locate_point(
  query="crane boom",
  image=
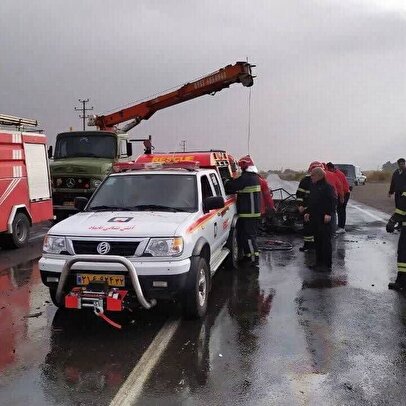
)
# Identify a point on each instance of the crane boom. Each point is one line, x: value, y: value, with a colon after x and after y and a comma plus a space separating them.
x: 240, y: 72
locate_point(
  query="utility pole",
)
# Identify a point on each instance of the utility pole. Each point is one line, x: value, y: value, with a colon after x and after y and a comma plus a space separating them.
x: 183, y: 145
x: 83, y: 109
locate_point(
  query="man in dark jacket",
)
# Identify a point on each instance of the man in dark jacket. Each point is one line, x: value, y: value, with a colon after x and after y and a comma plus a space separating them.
x: 399, y: 217
x: 302, y: 199
x: 248, y: 189
x: 319, y: 212
x: 398, y: 182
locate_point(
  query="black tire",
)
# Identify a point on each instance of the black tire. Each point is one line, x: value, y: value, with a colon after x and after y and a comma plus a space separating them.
x: 52, y: 293
x: 232, y: 245
x: 20, y: 232
x: 196, y: 294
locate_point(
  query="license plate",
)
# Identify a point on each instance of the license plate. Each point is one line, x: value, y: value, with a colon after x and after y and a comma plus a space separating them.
x: 70, y: 204
x: 83, y: 279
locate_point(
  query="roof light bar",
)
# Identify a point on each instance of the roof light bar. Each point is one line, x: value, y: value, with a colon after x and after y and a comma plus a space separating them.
x: 133, y: 166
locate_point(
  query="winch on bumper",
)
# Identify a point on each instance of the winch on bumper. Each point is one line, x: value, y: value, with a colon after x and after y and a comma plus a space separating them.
x: 146, y: 279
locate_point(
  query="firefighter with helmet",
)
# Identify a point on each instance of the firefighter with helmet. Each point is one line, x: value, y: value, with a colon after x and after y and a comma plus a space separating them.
x: 302, y: 198
x: 248, y: 189
x: 399, y: 217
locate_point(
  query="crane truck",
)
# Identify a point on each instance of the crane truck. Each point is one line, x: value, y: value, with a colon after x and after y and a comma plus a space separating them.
x: 82, y: 159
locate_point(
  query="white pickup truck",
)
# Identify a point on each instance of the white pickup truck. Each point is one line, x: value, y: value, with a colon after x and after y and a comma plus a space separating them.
x: 145, y: 235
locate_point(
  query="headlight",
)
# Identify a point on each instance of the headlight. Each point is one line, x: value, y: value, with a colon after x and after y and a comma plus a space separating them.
x: 54, y: 245
x: 95, y: 183
x: 165, y: 247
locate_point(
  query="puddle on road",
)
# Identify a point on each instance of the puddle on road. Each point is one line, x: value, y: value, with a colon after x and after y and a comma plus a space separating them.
x: 49, y: 356
x: 19, y: 304
x: 324, y: 283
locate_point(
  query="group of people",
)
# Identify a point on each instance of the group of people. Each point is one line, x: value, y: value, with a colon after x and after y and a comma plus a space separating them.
x: 321, y: 194
x: 322, y: 198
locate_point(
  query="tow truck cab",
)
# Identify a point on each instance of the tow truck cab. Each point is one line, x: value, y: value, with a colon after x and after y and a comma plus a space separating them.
x: 81, y: 160
x: 145, y: 235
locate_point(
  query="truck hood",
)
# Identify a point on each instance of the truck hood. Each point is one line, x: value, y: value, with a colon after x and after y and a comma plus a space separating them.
x: 121, y: 224
x: 80, y: 166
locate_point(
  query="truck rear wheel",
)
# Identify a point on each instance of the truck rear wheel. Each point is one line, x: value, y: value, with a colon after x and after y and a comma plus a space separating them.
x: 196, y: 295
x: 20, y: 232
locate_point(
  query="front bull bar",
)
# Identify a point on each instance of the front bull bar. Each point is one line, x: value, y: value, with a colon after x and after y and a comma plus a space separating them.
x: 112, y: 259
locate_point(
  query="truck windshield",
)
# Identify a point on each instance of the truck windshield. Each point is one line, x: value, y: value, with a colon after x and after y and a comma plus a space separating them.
x: 95, y: 145
x: 146, y: 192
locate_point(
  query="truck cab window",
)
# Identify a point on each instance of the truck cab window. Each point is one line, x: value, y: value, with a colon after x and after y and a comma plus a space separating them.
x: 206, y: 188
x: 216, y: 185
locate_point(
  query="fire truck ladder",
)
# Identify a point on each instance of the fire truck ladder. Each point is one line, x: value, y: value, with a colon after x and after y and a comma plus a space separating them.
x: 7, y: 120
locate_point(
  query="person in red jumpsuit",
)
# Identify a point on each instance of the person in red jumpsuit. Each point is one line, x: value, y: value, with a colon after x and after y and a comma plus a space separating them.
x: 342, y: 204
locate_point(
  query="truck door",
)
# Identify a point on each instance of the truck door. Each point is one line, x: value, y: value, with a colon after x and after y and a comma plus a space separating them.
x: 224, y: 216
x: 212, y: 232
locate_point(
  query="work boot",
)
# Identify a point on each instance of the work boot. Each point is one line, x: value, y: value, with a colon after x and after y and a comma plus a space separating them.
x: 245, y: 259
x: 400, y: 282
x: 395, y: 286
x: 322, y: 268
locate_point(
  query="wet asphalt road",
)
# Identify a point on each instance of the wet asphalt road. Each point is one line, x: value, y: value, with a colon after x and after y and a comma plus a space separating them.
x: 285, y: 335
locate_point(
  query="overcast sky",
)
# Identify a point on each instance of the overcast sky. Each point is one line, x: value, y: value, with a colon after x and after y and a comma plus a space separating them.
x: 331, y: 74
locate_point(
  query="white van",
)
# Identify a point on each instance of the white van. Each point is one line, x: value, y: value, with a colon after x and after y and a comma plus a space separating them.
x: 353, y: 174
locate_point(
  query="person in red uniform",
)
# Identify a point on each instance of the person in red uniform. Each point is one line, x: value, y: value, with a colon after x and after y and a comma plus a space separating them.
x: 334, y: 180
x: 342, y: 205
x: 267, y: 203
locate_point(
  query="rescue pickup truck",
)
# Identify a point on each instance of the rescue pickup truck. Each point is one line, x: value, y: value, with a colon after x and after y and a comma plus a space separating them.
x: 156, y: 232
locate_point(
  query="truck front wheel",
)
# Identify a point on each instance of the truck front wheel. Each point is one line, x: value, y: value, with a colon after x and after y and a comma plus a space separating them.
x: 232, y: 245
x: 20, y: 232
x: 196, y: 295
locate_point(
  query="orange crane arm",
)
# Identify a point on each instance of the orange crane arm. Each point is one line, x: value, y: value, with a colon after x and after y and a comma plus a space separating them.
x: 240, y: 72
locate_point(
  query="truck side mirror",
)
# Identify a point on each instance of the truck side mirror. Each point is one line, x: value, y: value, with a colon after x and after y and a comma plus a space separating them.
x: 80, y: 203
x: 213, y: 203
x: 129, y: 149
x: 50, y: 152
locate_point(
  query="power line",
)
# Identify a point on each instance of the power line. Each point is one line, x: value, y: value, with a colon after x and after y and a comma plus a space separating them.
x: 83, y: 109
x: 249, y: 121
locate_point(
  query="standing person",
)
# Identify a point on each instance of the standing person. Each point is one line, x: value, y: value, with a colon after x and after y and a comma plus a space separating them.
x: 398, y: 181
x: 341, y: 205
x: 333, y: 179
x: 248, y: 189
x: 302, y: 198
x: 399, y: 217
x: 267, y: 203
x: 319, y: 213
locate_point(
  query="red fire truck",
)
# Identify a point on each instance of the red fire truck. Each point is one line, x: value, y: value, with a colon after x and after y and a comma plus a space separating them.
x: 25, y: 195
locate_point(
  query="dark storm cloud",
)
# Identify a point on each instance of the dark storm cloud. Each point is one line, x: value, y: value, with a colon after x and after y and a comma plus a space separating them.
x: 331, y: 75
